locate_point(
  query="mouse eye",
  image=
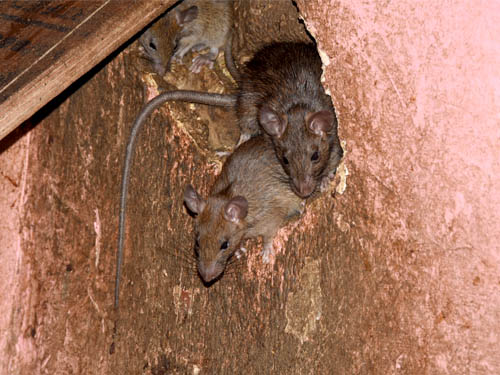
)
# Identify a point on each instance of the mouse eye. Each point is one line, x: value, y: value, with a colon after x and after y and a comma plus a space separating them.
x: 152, y: 45
x: 315, y: 156
x: 285, y: 160
x: 224, y: 245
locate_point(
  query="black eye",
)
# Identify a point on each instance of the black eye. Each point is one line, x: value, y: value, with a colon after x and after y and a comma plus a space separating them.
x: 315, y: 156
x: 224, y: 245
x: 285, y: 160
x: 152, y: 45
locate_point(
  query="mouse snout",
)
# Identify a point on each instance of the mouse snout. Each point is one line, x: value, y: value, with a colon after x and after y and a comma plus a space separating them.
x: 304, y: 186
x: 209, y: 270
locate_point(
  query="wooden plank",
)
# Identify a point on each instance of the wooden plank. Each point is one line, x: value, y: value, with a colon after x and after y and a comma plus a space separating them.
x: 47, y: 45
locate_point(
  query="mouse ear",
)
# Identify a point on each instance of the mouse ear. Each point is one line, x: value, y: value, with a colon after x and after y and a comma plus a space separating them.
x: 236, y: 209
x: 186, y: 15
x: 273, y: 124
x: 320, y: 122
x: 193, y: 200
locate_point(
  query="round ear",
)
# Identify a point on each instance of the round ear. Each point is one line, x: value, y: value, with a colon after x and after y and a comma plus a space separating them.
x: 186, y: 15
x: 273, y: 124
x: 193, y: 200
x: 236, y: 209
x: 320, y: 122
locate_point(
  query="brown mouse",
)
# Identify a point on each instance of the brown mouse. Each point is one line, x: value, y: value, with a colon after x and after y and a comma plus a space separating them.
x: 250, y: 198
x: 204, y: 24
x: 280, y: 91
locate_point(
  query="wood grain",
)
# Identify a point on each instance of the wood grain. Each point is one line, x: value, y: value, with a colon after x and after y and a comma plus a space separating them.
x: 47, y: 45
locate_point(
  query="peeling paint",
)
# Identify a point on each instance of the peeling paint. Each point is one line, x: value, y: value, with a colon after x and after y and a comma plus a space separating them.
x: 304, y: 306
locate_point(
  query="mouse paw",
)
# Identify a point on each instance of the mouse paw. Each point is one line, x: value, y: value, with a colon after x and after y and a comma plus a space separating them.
x: 325, y: 182
x: 267, y: 253
x: 199, y: 61
x: 240, y: 252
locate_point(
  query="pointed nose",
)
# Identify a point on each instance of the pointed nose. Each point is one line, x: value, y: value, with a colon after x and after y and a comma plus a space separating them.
x: 209, y: 270
x: 305, y: 186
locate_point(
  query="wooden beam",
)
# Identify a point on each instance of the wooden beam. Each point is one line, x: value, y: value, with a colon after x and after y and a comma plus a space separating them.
x: 47, y: 45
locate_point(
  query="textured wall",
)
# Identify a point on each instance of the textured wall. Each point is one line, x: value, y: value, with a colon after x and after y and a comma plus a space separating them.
x: 398, y: 274
x: 417, y: 89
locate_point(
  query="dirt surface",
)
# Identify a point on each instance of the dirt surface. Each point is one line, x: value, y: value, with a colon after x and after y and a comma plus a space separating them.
x: 377, y: 277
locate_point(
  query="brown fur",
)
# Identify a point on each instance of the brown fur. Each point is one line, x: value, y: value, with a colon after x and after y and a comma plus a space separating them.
x: 285, y: 77
x: 158, y: 43
x: 252, y: 172
x: 210, y: 29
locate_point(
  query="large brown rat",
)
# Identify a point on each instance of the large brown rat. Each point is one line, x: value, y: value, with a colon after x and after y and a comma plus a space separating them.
x: 250, y: 198
x: 280, y: 91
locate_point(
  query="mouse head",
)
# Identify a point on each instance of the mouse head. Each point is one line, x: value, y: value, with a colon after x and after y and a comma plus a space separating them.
x: 159, y: 42
x: 303, y: 140
x: 220, y: 224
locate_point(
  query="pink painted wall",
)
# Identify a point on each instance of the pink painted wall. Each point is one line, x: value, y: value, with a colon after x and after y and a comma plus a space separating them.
x: 417, y: 88
x: 399, y: 274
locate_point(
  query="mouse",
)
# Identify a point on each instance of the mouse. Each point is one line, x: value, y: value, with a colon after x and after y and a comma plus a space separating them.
x: 204, y: 24
x: 158, y: 43
x: 192, y: 25
x: 250, y: 198
x: 281, y: 95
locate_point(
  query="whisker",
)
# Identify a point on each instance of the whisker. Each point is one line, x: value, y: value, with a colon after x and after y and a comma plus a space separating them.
x: 183, y: 258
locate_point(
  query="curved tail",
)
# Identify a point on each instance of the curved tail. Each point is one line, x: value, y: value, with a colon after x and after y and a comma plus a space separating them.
x: 228, y: 58
x: 219, y: 100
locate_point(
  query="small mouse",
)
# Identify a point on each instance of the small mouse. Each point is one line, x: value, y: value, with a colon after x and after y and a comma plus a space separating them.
x: 280, y: 92
x: 158, y: 43
x: 250, y: 198
x: 204, y: 24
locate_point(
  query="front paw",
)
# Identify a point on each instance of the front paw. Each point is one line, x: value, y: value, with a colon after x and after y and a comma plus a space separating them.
x: 199, y: 61
x: 267, y: 253
x: 326, y: 181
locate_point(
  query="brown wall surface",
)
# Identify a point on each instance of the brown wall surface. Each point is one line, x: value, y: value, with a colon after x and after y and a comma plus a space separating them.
x: 396, y: 270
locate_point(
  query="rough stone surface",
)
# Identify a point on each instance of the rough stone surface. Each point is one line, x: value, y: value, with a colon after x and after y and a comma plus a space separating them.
x: 399, y: 274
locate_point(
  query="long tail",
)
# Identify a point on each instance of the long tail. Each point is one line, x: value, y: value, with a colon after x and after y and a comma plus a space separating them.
x: 219, y: 100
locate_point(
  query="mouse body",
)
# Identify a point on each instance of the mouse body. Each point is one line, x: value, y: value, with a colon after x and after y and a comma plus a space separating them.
x: 281, y: 94
x: 204, y: 24
x: 251, y: 197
